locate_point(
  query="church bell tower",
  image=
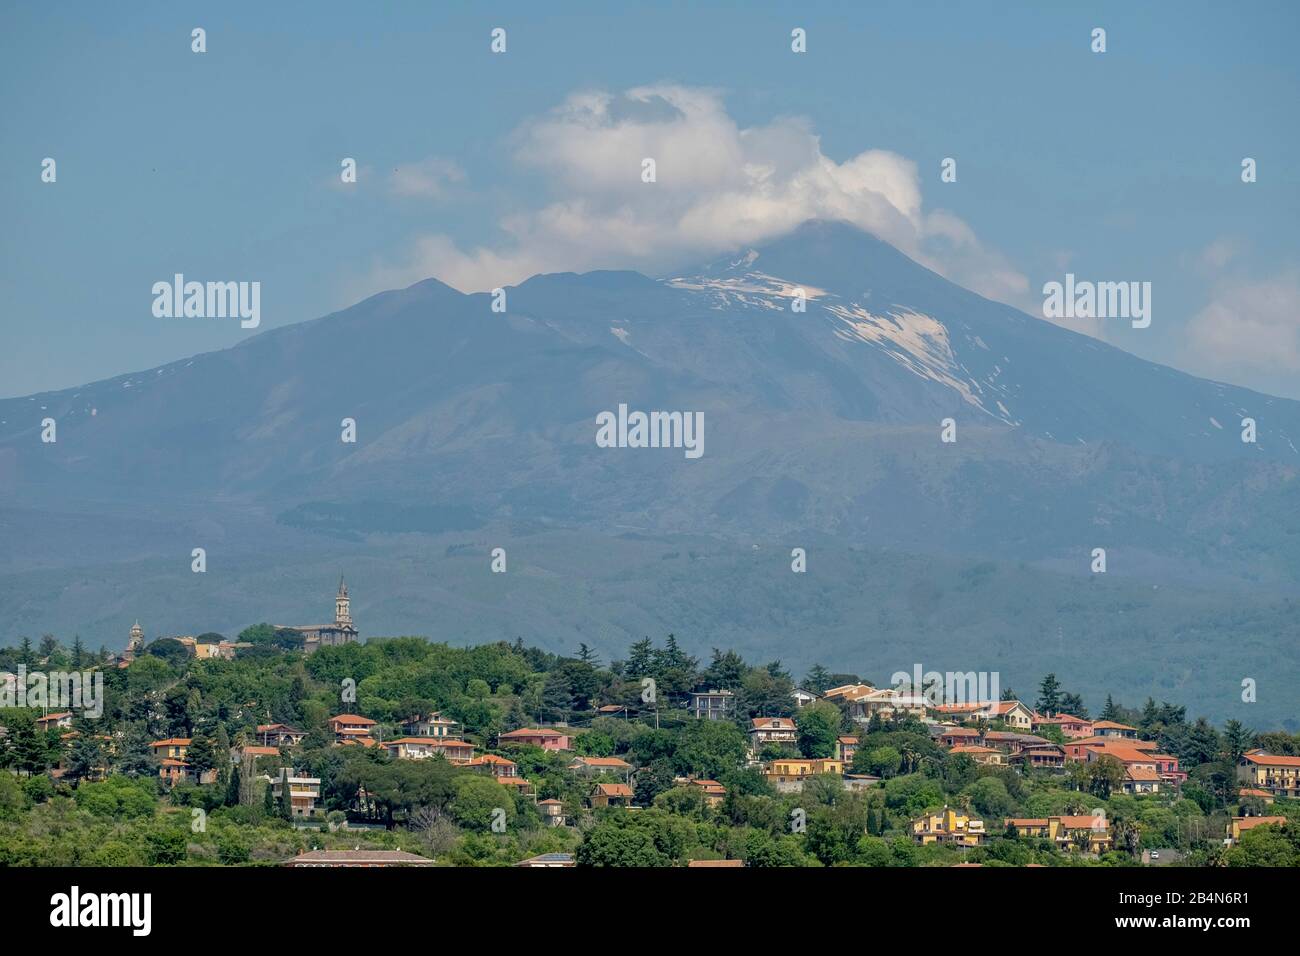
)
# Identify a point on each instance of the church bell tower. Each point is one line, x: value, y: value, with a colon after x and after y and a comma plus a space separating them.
x: 342, y: 606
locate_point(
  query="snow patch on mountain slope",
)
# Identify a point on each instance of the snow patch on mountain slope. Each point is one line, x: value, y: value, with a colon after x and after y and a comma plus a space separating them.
x: 753, y: 289
x: 920, y: 344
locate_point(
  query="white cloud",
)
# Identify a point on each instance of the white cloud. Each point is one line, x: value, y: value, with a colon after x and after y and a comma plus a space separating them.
x: 429, y: 179
x: 719, y: 186
x: 1249, y: 326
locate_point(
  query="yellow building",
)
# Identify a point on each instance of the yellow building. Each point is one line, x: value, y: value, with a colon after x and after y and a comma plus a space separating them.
x: 788, y: 774
x: 1069, y: 832
x: 1239, y: 825
x: 1280, y: 776
x: 948, y: 827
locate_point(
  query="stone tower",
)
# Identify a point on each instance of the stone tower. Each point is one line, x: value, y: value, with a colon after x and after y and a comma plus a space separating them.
x: 342, y: 606
x: 135, y: 643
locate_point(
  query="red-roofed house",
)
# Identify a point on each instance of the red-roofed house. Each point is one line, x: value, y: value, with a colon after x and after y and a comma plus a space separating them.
x: 1068, y: 832
x: 275, y: 735
x: 62, y: 719
x: 1109, y: 728
x: 546, y: 739
x: 1239, y: 825
x: 421, y: 748
x: 778, y: 731
x: 610, y: 795
x: 350, y: 725
x: 591, y: 766
x: 1280, y: 776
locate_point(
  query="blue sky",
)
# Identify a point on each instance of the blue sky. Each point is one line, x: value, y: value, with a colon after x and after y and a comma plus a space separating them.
x: 478, y: 167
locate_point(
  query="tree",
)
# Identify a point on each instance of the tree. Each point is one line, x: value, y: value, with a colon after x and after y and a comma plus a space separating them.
x: 1049, y: 695
x: 286, y: 795
x: 201, y: 755
x: 613, y: 843
x: 640, y: 660
x: 1105, y: 775
x: 725, y: 671
x: 135, y: 757
x: 819, y: 726
x: 818, y: 679
x: 1073, y: 705
x: 883, y: 761
x: 1237, y: 739
x: 85, y: 758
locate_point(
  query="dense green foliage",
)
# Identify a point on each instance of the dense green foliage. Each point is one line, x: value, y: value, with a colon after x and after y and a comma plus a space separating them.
x: 94, y: 797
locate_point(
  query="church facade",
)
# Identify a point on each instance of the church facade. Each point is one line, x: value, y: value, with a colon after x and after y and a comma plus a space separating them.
x: 342, y: 631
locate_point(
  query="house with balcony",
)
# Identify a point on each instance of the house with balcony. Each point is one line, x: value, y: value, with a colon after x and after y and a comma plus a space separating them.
x: 421, y: 748
x: 595, y: 766
x: 711, y: 704
x: 304, y: 791
x: 1068, y: 832
x: 1280, y: 776
x: 546, y: 739
x: 279, y: 735
x: 773, y: 731
x: 788, y: 775
x: 350, y: 726
x: 1044, y: 756
x: 948, y: 827
x: 431, y: 725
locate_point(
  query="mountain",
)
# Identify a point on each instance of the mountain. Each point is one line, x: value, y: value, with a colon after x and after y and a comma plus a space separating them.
x: 477, y: 429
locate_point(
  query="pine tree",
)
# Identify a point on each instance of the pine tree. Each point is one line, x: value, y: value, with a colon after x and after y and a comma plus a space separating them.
x: 222, y: 748
x: 135, y: 758
x: 232, y: 788
x: 640, y: 660
x: 818, y: 679
x: 286, y: 795
x: 1049, y: 695
x: 78, y: 653
x: 1110, y: 711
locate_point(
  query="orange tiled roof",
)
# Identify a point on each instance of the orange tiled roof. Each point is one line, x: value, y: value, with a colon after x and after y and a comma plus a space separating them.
x: 491, y: 760
x: 772, y: 723
x: 1249, y: 823
x: 352, y: 719
x: 173, y: 742
x: 1141, y: 773
x: 614, y: 789
x: 605, y: 762
x: 1080, y: 821
x: 1268, y: 760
